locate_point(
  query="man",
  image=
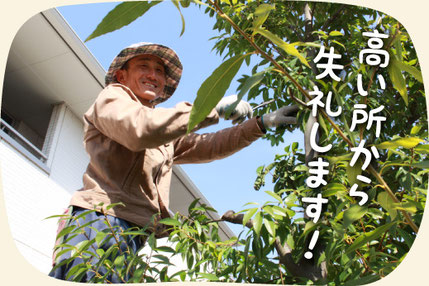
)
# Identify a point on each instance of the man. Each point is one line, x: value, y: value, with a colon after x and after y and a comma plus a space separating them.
x: 132, y: 145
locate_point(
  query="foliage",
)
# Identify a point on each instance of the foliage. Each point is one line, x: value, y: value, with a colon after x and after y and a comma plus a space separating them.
x: 117, y: 261
x: 356, y: 244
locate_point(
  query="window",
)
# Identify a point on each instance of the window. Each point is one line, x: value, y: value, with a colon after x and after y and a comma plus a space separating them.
x: 22, y: 132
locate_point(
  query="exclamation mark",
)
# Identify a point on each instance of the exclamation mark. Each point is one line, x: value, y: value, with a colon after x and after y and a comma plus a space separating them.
x: 313, y: 241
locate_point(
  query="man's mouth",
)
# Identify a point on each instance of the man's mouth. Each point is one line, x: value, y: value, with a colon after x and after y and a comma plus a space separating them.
x: 150, y: 85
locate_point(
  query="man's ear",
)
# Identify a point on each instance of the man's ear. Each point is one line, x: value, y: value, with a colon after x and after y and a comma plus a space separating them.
x: 120, y: 76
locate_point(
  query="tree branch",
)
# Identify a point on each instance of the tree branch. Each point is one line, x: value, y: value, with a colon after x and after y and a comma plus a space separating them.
x: 333, y: 17
x: 305, y: 268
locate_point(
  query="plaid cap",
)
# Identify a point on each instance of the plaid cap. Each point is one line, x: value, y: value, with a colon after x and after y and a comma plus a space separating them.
x: 173, y: 66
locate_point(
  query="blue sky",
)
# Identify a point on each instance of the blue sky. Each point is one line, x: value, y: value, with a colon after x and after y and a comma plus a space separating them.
x: 227, y: 183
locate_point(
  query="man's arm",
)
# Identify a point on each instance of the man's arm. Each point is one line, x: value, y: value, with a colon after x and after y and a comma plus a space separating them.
x: 202, y: 148
x: 122, y: 118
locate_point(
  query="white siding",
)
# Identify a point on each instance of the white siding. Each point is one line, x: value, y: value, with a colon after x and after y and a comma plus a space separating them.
x: 32, y: 195
x: 69, y: 159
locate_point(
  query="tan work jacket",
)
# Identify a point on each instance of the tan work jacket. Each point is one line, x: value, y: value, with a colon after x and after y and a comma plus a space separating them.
x: 132, y: 149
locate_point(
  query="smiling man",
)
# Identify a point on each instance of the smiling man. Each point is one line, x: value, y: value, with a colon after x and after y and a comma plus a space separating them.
x: 145, y: 76
x: 132, y: 146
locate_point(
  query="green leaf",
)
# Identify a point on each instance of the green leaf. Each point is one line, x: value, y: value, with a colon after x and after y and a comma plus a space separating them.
x: 248, y: 215
x: 170, y: 221
x: 65, y: 231
x: 338, y: 159
x: 270, y: 226
x: 229, y: 2
x: 99, y: 237
x: 362, y: 280
x: 279, y: 211
x: 301, y: 168
x: 406, y: 142
x: 352, y: 214
x: 261, y: 14
x: 269, y: 210
x: 100, y: 251
x: 338, y: 43
x: 120, y: 16
x: 61, y: 217
x: 192, y: 205
x: 375, y: 213
x: 416, y: 129
x: 81, y: 246
x: 251, y: 203
x: 398, y: 46
x: 152, y: 240
x: 213, y: 89
x: 176, y: 3
x: 306, y: 44
x: 290, y: 200
x: 134, y: 233
x: 114, y: 205
x: 397, y: 79
x: 353, y: 172
x: 295, y: 146
x: 322, y: 123
x: 387, y: 203
x: 422, y: 164
x: 335, y: 33
x: 290, y: 213
x: 406, y: 206
x: 309, y: 227
x: 189, y: 260
x: 183, y: 275
x: 198, y: 226
x: 211, y: 244
x: 410, y: 69
x: 257, y: 223
x: 408, y: 238
x: 165, y: 249
x: 209, y: 276
x: 288, y: 48
x: 274, y: 195
x: 119, y: 261
x: 322, y: 33
x: 290, y: 241
x: 83, y: 214
x: 162, y: 259
x: 369, y: 236
x: 333, y: 189
x: 185, y: 3
x: 76, y: 270
x: 201, y: 3
x: 248, y: 84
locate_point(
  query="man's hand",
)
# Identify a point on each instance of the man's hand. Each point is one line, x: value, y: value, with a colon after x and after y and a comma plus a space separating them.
x: 282, y: 116
x: 239, y: 113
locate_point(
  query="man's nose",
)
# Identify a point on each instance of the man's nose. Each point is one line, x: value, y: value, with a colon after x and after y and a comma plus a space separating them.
x: 151, y: 73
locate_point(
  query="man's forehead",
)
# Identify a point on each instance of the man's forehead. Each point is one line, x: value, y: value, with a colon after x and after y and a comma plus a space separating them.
x: 142, y: 58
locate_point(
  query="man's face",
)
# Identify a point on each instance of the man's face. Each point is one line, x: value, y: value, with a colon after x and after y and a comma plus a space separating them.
x: 145, y: 76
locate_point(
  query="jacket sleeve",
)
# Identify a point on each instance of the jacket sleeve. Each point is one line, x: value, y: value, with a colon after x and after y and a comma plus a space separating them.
x: 202, y: 148
x: 120, y: 116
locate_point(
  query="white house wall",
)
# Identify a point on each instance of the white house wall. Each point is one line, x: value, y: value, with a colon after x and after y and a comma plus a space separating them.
x: 32, y: 195
x: 69, y: 159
